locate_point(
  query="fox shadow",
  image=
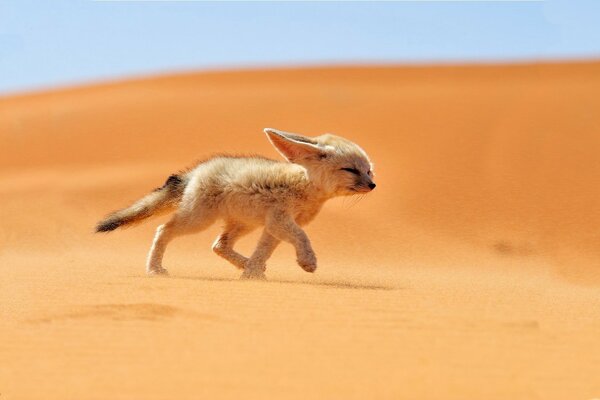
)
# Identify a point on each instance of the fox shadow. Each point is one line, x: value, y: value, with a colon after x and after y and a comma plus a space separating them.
x: 325, y: 284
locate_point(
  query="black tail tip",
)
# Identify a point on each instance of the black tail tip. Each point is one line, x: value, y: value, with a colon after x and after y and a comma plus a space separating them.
x: 107, y: 226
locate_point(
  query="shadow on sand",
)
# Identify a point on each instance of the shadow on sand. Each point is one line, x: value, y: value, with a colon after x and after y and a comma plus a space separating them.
x: 327, y: 284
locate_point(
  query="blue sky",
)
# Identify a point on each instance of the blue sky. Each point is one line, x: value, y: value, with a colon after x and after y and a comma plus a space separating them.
x: 45, y: 44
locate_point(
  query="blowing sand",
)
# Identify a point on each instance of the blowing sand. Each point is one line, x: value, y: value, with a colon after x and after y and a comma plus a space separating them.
x: 471, y: 272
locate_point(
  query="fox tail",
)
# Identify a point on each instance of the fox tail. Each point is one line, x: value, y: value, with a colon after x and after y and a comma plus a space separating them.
x: 159, y: 201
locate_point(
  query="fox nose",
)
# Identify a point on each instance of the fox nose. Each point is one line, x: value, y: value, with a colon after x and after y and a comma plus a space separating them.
x: 372, y: 186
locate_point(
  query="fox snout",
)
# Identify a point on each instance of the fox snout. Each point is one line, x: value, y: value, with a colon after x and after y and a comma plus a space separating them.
x: 366, y: 181
x: 367, y: 184
x: 364, y: 185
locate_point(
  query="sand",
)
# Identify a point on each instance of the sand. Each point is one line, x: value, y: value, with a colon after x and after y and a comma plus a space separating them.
x: 471, y: 272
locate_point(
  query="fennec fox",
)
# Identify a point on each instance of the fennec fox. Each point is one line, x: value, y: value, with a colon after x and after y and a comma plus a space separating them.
x: 249, y: 192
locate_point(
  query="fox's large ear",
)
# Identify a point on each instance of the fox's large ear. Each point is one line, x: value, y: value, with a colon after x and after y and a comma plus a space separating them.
x: 292, y: 146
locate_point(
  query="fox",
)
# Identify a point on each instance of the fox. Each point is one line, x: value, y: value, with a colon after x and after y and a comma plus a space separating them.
x: 250, y: 192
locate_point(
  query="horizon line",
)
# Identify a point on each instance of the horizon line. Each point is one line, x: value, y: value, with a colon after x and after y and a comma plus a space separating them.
x: 174, y: 72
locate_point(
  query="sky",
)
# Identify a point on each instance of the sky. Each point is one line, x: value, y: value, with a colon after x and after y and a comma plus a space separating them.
x: 46, y: 44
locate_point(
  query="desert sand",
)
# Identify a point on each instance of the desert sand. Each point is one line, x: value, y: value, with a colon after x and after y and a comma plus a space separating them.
x: 471, y: 272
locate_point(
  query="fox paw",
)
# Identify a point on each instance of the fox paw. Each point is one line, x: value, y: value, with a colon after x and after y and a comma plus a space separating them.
x: 253, y: 274
x: 309, y: 267
x: 157, y: 272
x: 308, y: 263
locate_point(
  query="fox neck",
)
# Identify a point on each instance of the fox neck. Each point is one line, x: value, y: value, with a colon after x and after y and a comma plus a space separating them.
x: 320, y: 183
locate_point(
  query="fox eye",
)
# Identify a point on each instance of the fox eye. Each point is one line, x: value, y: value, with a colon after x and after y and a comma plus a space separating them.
x: 352, y: 170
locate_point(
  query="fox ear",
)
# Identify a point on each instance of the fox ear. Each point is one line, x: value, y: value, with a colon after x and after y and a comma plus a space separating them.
x: 292, y: 146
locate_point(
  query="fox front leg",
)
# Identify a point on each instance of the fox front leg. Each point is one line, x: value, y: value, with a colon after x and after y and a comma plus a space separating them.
x: 282, y: 226
x: 256, y: 265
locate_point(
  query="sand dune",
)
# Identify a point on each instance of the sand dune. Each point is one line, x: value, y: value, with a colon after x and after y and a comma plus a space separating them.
x: 472, y: 271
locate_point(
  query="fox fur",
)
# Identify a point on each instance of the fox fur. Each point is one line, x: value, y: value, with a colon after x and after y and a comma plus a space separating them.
x: 251, y: 192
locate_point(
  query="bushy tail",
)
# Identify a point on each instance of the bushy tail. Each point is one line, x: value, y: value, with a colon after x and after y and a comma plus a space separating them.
x: 161, y: 200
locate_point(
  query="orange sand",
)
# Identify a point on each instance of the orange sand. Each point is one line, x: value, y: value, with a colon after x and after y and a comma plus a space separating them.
x: 471, y: 272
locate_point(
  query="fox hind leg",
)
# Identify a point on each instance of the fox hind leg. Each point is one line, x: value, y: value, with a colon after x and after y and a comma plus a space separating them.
x: 223, y: 245
x: 164, y: 234
x: 176, y: 226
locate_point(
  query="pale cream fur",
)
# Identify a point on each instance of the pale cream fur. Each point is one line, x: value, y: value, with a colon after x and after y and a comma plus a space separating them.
x: 251, y: 192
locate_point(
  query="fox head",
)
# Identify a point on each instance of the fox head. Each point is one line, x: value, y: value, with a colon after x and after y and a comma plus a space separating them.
x: 336, y: 165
